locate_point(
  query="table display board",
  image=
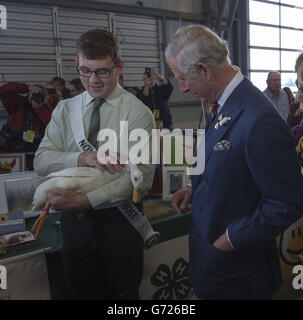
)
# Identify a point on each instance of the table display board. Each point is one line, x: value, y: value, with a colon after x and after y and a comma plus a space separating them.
x: 171, y: 252
x: 27, y: 277
x: 165, y: 271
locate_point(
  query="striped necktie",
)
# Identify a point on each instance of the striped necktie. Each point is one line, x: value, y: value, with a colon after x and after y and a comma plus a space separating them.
x: 214, y: 111
x: 94, y: 124
x: 212, y: 115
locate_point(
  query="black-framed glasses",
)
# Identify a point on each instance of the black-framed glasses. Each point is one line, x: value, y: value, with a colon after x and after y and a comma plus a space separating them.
x: 101, y: 73
x: 298, y: 86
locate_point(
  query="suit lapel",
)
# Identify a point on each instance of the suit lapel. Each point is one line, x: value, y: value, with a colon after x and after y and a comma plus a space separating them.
x: 213, y: 136
x: 232, y: 108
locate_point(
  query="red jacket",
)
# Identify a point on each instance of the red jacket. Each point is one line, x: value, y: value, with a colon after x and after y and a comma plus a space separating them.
x: 21, y: 115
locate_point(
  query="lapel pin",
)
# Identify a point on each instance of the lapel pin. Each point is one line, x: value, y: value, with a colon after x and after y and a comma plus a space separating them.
x: 222, y: 122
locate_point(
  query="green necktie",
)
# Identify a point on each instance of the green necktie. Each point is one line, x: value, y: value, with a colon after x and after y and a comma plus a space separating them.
x: 94, y: 125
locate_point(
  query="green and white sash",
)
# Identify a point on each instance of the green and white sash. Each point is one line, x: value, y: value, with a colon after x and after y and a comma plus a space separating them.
x: 76, y: 121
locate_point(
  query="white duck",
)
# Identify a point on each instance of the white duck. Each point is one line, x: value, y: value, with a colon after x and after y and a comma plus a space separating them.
x: 81, y: 180
x: 86, y: 179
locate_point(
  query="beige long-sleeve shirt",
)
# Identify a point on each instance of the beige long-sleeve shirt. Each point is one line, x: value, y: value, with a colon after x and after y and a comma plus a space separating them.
x: 58, y: 149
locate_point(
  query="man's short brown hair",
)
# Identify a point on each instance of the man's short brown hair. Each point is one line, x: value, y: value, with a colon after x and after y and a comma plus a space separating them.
x: 97, y: 44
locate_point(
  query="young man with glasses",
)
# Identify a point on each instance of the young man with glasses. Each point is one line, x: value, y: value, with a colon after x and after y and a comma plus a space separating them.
x: 102, y: 251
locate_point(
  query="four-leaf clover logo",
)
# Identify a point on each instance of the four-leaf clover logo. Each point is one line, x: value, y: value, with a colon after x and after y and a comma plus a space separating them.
x: 174, y: 284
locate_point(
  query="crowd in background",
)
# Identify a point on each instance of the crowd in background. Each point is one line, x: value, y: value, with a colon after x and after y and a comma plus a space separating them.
x: 29, y: 107
x: 289, y: 106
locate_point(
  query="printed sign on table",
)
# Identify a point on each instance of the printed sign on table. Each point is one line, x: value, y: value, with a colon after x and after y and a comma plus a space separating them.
x: 12, y: 162
x: 165, y: 272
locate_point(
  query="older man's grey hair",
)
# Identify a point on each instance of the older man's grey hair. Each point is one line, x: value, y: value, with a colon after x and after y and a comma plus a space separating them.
x: 196, y: 43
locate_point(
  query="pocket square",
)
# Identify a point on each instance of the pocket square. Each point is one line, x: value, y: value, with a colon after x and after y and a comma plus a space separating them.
x: 222, y: 145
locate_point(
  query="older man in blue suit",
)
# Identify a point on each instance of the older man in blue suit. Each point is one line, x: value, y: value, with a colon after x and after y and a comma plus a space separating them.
x: 251, y: 189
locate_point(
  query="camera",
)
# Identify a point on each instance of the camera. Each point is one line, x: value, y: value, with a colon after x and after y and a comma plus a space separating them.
x: 147, y: 72
x: 51, y: 91
x: 37, y: 97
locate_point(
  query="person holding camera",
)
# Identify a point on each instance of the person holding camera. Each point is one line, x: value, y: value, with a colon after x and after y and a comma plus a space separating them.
x: 59, y: 83
x: 52, y: 96
x: 76, y: 87
x: 29, y: 111
x: 156, y: 96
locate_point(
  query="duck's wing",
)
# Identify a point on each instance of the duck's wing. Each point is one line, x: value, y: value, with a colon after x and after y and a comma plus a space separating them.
x: 73, y: 173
